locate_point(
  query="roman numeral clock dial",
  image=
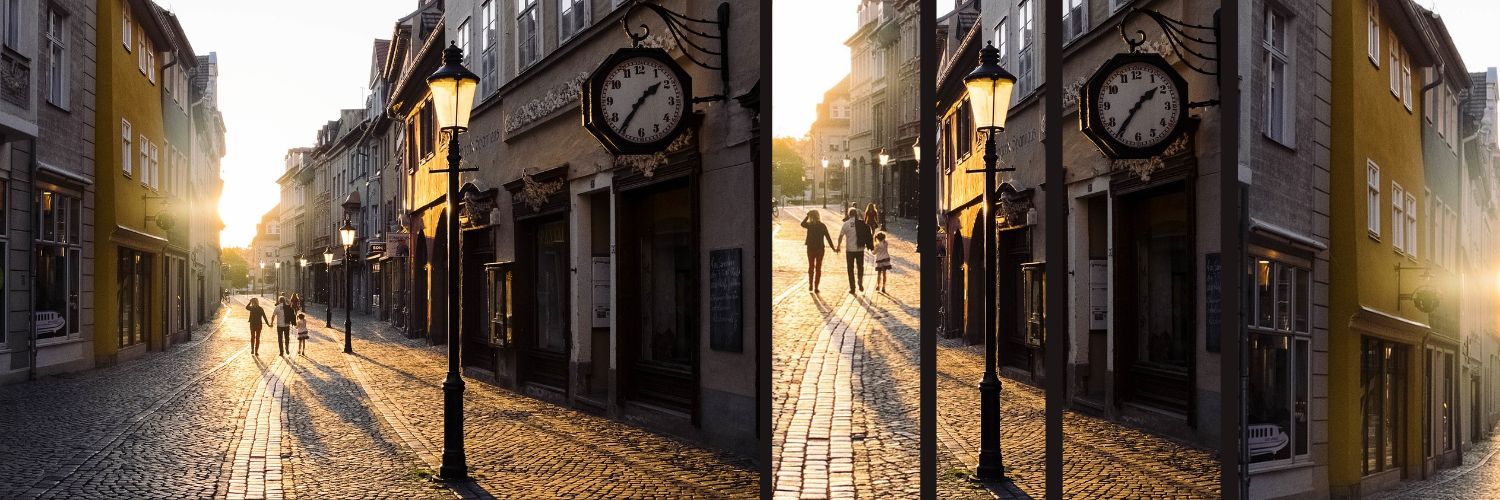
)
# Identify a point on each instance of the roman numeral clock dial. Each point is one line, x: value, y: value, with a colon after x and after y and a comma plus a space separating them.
x: 637, y: 101
x: 1134, y: 106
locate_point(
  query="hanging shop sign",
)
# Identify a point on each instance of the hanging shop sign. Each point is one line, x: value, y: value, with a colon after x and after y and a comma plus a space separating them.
x: 1134, y: 106
x: 637, y: 101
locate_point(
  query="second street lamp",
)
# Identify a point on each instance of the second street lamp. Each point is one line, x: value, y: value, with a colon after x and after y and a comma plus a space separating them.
x: 885, y: 158
x: 844, y: 181
x: 989, y: 87
x: 452, y: 88
x: 346, y: 236
x: 328, y: 288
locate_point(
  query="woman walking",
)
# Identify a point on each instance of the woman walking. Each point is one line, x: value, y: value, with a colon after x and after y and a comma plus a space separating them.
x: 257, y: 319
x: 872, y: 217
x: 296, y: 303
x: 283, y: 317
x: 817, y: 233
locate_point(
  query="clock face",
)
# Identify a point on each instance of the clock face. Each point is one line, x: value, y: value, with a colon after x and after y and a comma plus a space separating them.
x: 1139, y: 105
x: 641, y: 100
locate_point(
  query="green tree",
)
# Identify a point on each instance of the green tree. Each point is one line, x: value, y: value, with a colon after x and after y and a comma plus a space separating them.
x: 787, y: 168
x: 239, y: 271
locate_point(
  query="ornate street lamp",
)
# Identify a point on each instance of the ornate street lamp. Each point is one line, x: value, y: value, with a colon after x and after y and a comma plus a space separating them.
x: 262, y: 278
x: 328, y: 270
x: 844, y: 184
x: 989, y: 87
x: 278, y: 275
x: 346, y: 236
x: 302, y: 279
x: 453, y: 88
x: 885, y: 158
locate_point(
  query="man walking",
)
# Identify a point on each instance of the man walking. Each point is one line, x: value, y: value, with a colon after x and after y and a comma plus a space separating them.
x: 854, y: 238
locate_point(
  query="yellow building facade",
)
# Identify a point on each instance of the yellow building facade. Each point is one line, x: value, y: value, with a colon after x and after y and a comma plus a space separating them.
x: 1377, y: 334
x: 131, y: 152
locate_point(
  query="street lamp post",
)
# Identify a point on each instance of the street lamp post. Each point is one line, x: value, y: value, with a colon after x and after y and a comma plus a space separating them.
x: 989, y: 87
x: 302, y: 280
x: 328, y: 271
x: 844, y: 185
x: 452, y: 88
x: 346, y: 236
x: 278, y: 274
x: 825, y: 182
x: 885, y: 158
x: 262, y: 277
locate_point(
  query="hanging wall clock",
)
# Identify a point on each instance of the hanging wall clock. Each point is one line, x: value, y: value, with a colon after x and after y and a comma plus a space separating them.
x: 1134, y: 106
x: 637, y: 101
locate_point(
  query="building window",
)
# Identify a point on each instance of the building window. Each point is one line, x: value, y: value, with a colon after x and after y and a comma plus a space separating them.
x: 150, y: 61
x: 1398, y: 218
x: 462, y: 38
x: 1452, y: 115
x: 1075, y: 19
x: 140, y: 52
x: 1383, y: 400
x: 572, y: 18
x: 1411, y: 225
x: 1431, y: 227
x: 4, y: 262
x: 133, y: 277
x: 1427, y: 96
x: 528, y: 33
x: 156, y: 170
x: 1406, y: 82
x: 126, y: 27
x: 1000, y: 36
x: 1372, y: 199
x: 57, y: 59
x: 1025, y: 78
x: 1372, y: 32
x: 58, y: 249
x: 1279, y: 362
x: 1277, y: 79
x: 1395, y: 69
x: 125, y: 152
x: 489, y: 41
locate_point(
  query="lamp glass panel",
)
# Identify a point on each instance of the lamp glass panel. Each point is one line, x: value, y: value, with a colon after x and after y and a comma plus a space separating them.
x: 984, y: 95
x: 347, y: 235
x: 444, y: 101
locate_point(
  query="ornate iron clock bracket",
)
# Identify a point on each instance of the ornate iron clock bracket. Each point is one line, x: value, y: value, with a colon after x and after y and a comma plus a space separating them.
x: 1424, y: 297
x: 1179, y: 34
x: 677, y: 24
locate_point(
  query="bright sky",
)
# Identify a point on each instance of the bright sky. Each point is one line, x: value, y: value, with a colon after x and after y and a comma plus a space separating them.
x: 808, y: 56
x: 286, y: 67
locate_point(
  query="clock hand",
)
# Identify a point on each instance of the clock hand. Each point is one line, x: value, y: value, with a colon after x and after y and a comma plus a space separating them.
x: 1149, y: 94
x: 637, y: 106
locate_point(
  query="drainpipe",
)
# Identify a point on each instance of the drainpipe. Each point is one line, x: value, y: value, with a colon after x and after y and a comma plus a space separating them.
x: 31, y: 260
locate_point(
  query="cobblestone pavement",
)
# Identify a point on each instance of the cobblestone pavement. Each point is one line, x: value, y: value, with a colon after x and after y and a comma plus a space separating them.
x: 208, y: 420
x: 813, y: 358
x: 845, y: 373
x: 1478, y: 477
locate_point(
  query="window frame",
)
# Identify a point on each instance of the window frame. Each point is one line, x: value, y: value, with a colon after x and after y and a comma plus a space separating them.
x: 1411, y: 226
x: 1293, y: 335
x: 528, y: 8
x: 1278, y: 114
x: 1373, y: 193
x: 1398, y: 218
x: 582, y: 22
x: 1082, y: 8
x: 1372, y: 36
x: 127, y: 27
x: 126, y: 152
x: 58, y: 89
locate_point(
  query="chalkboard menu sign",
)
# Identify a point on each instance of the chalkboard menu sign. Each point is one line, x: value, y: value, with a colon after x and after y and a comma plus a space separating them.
x: 726, y: 300
x: 1213, y: 270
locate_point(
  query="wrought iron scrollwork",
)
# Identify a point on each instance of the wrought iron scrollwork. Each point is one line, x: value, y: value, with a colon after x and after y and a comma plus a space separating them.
x: 1178, y: 35
x: 683, y: 30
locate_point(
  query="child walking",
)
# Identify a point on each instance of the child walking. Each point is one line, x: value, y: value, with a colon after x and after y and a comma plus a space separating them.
x: 882, y: 261
x: 302, y: 334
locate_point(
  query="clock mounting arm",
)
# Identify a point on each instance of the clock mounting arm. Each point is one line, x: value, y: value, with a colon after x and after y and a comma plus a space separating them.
x: 1190, y: 42
x: 691, y: 35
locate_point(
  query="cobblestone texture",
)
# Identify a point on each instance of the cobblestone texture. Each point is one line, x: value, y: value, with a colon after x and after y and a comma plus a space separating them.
x: 1477, y: 478
x: 1102, y: 459
x: 208, y: 420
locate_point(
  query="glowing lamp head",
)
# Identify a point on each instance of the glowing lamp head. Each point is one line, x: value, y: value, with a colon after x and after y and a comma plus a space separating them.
x: 453, y: 87
x: 989, y: 87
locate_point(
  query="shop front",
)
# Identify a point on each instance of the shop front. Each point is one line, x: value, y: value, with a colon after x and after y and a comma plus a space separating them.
x: 543, y: 279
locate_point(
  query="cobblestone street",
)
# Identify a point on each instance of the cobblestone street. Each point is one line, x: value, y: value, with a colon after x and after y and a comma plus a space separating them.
x: 1477, y: 477
x: 845, y: 400
x: 207, y: 419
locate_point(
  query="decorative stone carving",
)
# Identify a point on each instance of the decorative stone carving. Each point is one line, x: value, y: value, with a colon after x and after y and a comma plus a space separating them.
x: 534, y: 194
x: 15, y: 81
x: 564, y: 94
x: 1145, y: 167
x: 647, y: 164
